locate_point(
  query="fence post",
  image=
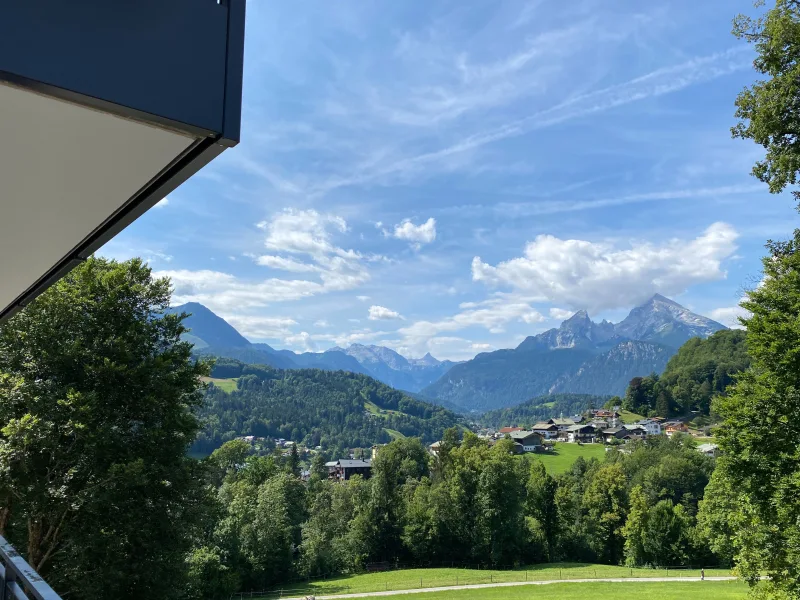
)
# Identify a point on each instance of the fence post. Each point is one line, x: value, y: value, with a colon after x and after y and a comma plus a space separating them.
x: 420, y: 582
x: 560, y: 575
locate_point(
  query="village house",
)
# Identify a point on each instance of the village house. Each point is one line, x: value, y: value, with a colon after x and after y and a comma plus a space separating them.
x: 711, y: 450
x: 602, y: 413
x: 614, y: 433
x: 529, y: 440
x: 651, y: 426
x: 504, y: 430
x: 672, y: 427
x: 548, y: 431
x: 343, y: 469
x: 434, y: 448
x: 624, y: 433
x: 580, y: 433
x: 636, y: 431
x: 563, y: 423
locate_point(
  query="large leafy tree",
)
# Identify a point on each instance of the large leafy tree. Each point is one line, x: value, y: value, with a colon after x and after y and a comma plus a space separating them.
x: 769, y: 110
x: 605, y: 505
x: 760, y: 436
x: 97, y: 393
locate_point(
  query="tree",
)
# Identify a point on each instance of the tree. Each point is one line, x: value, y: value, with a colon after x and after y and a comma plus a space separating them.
x: 209, y: 577
x: 98, y: 397
x: 293, y: 465
x: 636, y: 528
x: 667, y: 536
x: 769, y: 110
x: 501, y: 501
x: 605, y: 505
x: 662, y: 404
x: 541, y: 504
x: 400, y: 461
x: 761, y: 426
x: 641, y: 393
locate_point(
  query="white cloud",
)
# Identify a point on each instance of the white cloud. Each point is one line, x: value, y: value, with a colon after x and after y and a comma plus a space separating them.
x: 493, y: 315
x: 729, y: 316
x: 417, y: 234
x: 285, y: 264
x: 598, y: 275
x: 481, y: 347
x: 352, y: 337
x: 155, y: 256
x: 322, y: 323
x: 303, y: 341
x: 304, y: 232
x: 257, y: 327
x: 363, y: 298
x: 162, y: 203
x: 225, y: 293
x: 381, y: 313
x: 300, y: 233
x: 560, y: 314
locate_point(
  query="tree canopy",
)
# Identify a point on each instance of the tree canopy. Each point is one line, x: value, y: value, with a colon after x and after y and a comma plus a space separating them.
x: 769, y: 110
x: 758, y: 479
x: 98, y: 397
x: 701, y: 370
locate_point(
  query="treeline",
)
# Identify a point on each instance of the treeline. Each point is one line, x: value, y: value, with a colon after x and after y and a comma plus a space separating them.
x: 313, y: 407
x: 701, y: 370
x: 542, y: 408
x: 470, y: 504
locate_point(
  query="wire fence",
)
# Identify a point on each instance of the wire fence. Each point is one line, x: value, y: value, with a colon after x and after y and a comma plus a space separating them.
x: 379, y: 577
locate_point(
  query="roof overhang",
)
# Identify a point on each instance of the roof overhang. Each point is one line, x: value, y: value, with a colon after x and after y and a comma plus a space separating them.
x: 105, y: 108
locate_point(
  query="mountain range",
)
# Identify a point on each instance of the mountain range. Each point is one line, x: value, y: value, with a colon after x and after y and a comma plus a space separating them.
x: 579, y: 357
x: 212, y: 335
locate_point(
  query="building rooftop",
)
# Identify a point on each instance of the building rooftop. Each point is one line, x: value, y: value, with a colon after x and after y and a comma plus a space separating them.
x: 521, y: 435
x: 353, y: 464
x: 707, y: 447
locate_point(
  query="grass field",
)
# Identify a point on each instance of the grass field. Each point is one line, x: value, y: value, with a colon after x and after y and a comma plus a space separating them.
x: 416, y: 578
x: 395, y: 434
x: 678, y: 590
x: 629, y: 417
x: 563, y: 455
x: 226, y: 385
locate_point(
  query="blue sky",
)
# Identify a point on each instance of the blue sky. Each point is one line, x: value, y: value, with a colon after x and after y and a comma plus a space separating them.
x: 452, y: 177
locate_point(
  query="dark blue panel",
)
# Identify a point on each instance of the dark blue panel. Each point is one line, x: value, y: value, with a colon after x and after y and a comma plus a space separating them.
x: 163, y: 57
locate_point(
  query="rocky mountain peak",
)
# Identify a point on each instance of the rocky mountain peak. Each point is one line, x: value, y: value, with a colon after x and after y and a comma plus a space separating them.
x: 665, y: 321
x: 426, y: 361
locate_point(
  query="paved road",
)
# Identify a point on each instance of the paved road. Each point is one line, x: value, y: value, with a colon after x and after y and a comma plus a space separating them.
x: 479, y: 586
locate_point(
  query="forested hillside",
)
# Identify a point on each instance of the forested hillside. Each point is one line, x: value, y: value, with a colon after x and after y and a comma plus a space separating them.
x: 542, y: 408
x: 496, y: 379
x: 334, y: 409
x: 701, y: 370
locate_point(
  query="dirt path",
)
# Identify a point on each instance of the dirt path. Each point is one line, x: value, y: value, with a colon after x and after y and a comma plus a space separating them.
x: 479, y: 586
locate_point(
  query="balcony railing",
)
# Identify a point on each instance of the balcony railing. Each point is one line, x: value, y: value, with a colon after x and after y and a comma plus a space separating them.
x: 18, y: 581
